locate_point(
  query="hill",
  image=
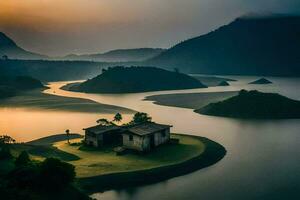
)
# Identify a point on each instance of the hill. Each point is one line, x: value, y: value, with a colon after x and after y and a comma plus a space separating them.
x: 9, y: 48
x: 136, y: 79
x: 223, y: 83
x: 254, y: 105
x: 247, y: 46
x: 10, y: 86
x: 261, y: 81
x: 119, y: 55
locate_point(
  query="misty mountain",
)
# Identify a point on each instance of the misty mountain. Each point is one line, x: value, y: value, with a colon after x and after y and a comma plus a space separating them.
x: 247, y: 46
x: 9, y: 48
x: 50, y: 70
x: 119, y: 55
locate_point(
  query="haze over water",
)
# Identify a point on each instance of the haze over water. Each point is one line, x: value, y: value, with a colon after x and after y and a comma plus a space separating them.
x: 260, y: 161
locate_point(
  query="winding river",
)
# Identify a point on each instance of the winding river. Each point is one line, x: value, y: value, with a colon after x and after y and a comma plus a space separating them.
x: 262, y: 161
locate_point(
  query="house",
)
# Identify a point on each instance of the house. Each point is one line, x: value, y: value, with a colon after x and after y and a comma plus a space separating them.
x: 101, y: 135
x: 141, y: 137
x: 146, y: 136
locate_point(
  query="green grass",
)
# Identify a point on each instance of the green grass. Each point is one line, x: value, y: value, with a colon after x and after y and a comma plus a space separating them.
x: 105, y: 161
x: 49, y: 140
x: 38, y: 152
x: 179, y: 162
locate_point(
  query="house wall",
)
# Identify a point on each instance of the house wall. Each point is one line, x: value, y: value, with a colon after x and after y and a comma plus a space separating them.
x: 142, y: 143
x: 92, y: 139
x: 160, y: 138
x: 137, y: 143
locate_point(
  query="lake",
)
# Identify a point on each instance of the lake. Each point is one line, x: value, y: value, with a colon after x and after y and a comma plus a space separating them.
x: 262, y: 161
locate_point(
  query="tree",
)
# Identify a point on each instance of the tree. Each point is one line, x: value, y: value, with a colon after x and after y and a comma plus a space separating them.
x: 55, y: 174
x: 104, y: 122
x: 118, y: 118
x: 141, y: 117
x: 23, y: 159
x: 5, y: 139
x: 5, y: 153
x: 68, y: 135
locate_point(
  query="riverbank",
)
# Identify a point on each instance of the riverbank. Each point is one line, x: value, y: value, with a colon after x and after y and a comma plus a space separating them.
x: 35, y: 99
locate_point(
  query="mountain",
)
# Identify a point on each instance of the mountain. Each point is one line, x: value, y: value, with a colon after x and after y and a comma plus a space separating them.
x: 9, y: 48
x: 119, y: 55
x: 136, y: 79
x: 254, y: 105
x: 247, y: 46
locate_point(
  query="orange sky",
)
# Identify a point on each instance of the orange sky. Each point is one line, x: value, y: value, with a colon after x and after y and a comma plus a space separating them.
x: 83, y: 26
x: 61, y: 12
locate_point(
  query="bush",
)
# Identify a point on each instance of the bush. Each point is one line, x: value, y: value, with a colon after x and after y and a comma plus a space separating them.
x: 24, y: 177
x: 56, y: 174
x: 5, y: 152
x: 23, y: 159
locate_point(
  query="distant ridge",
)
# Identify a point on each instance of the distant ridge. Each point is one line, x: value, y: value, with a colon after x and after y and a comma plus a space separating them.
x: 118, y: 55
x: 9, y: 48
x: 261, y: 45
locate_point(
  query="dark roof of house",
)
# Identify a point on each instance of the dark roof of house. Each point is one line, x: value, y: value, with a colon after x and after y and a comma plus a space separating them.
x: 147, y: 128
x: 101, y: 129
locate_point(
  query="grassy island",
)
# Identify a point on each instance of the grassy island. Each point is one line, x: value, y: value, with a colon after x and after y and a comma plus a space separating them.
x: 100, y: 169
x: 136, y: 79
x: 254, y: 105
x: 261, y: 81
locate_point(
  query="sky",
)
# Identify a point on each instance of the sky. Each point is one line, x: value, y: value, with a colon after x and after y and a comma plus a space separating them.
x: 60, y: 27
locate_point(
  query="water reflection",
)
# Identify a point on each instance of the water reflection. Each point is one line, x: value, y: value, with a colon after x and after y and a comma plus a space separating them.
x: 261, y: 162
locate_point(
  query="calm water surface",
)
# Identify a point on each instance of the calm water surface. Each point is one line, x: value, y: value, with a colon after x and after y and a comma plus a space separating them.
x: 262, y: 160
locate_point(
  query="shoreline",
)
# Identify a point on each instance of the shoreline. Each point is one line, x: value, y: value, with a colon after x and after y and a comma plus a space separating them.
x: 189, y: 100
x: 68, y: 87
x: 36, y: 99
x: 213, y: 153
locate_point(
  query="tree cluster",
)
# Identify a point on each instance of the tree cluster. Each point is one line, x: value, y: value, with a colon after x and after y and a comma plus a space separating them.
x: 34, y: 180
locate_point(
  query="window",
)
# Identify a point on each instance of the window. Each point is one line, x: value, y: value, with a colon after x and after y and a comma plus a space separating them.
x: 130, y: 137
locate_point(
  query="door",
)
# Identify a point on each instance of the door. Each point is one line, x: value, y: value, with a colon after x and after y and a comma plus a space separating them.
x: 152, y: 141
